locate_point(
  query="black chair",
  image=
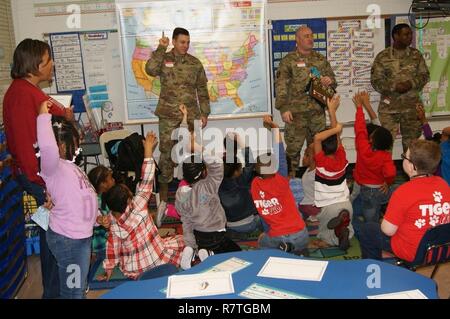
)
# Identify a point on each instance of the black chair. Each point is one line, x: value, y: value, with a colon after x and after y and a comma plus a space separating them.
x: 434, y: 249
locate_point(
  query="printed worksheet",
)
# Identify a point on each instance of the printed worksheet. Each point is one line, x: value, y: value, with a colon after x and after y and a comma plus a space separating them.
x: 258, y: 291
x: 232, y: 265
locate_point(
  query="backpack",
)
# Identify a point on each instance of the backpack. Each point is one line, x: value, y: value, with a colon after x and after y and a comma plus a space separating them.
x: 130, y: 156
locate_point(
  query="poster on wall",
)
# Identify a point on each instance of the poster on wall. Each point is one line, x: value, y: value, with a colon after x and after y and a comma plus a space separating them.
x: 435, y: 47
x: 351, y: 49
x: 229, y: 38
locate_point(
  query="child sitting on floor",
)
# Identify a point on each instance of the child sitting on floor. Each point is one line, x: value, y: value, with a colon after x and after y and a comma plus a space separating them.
x: 234, y: 192
x: 374, y: 170
x: 331, y: 193
x: 275, y: 202
x: 102, y: 180
x: 198, y: 204
x: 134, y: 242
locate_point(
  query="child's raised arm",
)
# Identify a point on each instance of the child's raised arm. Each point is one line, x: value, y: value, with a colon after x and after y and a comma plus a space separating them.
x: 183, y: 110
x: 319, y: 137
x: 333, y: 105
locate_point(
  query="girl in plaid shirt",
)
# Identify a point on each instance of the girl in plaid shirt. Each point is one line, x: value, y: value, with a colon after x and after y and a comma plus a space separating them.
x: 134, y: 242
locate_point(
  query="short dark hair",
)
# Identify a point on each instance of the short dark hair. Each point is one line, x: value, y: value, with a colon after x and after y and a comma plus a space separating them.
x: 425, y: 155
x: 193, y: 168
x: 330, y: 144
x: 436, y: 138
x: 230, y: 168
x: 382, y: 139
x: 177, y: 31
x: 117, y: 198
x: 98, y: 175
x: 397, y: 28
x: 27, y: 57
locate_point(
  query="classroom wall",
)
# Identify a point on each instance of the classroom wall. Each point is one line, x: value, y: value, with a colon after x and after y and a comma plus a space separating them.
x: 26, y: 25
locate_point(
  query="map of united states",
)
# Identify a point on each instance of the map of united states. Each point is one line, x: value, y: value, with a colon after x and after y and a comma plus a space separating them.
x: 225, y: 68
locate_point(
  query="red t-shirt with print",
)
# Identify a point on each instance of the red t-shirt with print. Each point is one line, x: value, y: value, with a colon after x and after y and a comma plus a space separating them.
x: 414, y: 207
x: 276, y: 205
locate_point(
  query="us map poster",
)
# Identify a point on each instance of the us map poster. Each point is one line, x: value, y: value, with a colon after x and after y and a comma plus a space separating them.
x: 228, y: 37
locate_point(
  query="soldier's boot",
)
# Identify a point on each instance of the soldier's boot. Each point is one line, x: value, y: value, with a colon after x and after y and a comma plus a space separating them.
x: 163, y: 191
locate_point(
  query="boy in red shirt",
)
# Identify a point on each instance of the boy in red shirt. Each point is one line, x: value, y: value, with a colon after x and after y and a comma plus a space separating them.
x: 416, y: 206
x: 331, y: 193
x: 374, y: 169
x: 275, y: 202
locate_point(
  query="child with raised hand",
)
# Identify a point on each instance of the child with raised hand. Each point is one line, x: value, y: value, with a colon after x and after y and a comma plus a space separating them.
x: 198, y: 204
x: 102, y: 180
x: 374, y: 169
x: 307, y: 206
x: 75, y: 204
x: 275, y: 202
x: 331, y: 193
x: 167, y: 209
x: 234, y: 192
x: 414, y: 207
x: 134, y: 242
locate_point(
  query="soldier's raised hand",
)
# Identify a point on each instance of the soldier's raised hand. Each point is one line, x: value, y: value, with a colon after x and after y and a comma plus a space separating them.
x: 164, y: 41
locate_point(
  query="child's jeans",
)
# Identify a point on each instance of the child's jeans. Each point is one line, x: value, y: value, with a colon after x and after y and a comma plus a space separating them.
x: 73, y: 258
x: 299, y: 240
x: 369, y: 201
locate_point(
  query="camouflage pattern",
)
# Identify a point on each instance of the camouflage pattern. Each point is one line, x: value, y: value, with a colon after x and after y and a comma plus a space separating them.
x: 291, y: 83
x: 410, y: 126
x: 305, y: 125
x: 183, y: 81
x: 292, y: 80
x: 390, y: 67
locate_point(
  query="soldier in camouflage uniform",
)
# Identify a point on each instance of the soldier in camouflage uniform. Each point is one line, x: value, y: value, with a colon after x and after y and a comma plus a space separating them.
x: 183, y: 81
x: 399, y: 73
x: 303, y: 115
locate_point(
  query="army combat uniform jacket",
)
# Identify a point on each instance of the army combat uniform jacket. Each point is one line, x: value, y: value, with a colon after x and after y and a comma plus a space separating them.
x: 293, y: 78
x: 392, y: 66
x: 183, y: 80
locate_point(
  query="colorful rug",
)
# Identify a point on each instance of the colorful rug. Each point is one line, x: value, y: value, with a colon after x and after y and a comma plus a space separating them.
x: 97, y: 269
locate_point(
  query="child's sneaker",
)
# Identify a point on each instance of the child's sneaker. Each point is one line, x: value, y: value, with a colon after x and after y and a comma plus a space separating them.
x: 203, y: 254
x: 287, y: 247
x: 340, y: 226
x: 161, y: 211
x: 186, y: 257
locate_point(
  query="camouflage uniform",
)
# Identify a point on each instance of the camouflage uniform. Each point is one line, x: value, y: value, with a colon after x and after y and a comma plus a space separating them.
x: 309, y: 116
x: 390, y: 67
x: 183, y: 80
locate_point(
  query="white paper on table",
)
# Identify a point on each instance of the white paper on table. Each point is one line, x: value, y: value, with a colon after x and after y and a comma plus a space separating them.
x: 290, y: 268
x: 232, y: 265
x: 408, y: 294
x: 259, y: 291
x: 204, y: 284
